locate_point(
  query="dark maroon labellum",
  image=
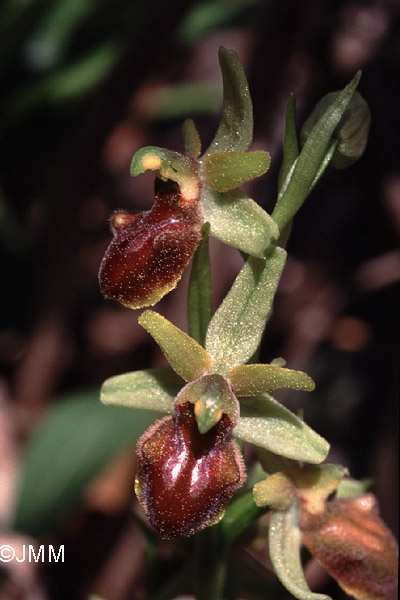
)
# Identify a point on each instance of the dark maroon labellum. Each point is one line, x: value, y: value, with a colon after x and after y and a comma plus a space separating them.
x: 185, y: 478
x: 149, y: 252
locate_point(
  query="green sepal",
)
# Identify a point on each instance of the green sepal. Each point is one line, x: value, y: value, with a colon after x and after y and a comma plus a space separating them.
x: 151, y: 389
x: 250, y: 380
x: 311, y: 156
x: 266, y: 423
x: 290, y: 142
x: 191, y: 139
x: 235, y: 131
x: 284, y: 549
x: 351, y: 133
x: 211, y: 396
x: 169, y: 165
x: 236, y: 220
x: 199, y: 294
x: 224, y: 171
x: 183, y: 353
x: 235, y: 330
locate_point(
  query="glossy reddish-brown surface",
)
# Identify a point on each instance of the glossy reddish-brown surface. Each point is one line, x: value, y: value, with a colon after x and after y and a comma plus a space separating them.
x: 354, y: 545
x: 185, y: 478
x: 149, y: 251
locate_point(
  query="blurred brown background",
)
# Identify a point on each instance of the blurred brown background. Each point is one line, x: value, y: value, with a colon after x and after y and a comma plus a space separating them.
x: 84, y: 84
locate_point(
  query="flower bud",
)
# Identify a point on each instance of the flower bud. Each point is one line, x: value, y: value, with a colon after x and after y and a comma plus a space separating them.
x: 351, y: 132
x: 149, y: 252
x: 354, y: 545
x: 185, y: 478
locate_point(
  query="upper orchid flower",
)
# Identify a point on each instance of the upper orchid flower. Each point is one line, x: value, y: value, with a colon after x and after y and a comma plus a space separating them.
x: 149, y: 251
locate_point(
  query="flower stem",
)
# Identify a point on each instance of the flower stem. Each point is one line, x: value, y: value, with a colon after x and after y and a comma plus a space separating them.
x: 210, y: 565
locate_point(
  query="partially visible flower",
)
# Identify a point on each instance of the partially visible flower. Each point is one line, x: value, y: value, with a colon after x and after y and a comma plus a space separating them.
x: 354, y: 545
x: 185, y: 477
x: 345, y: 534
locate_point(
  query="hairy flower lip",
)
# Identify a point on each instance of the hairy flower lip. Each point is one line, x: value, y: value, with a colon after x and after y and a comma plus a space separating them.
x: 185, y: 478
x: 150, y: 250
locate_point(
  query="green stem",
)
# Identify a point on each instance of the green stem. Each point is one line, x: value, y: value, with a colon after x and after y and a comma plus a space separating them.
x: 199, y: 295
x: 209, y: 566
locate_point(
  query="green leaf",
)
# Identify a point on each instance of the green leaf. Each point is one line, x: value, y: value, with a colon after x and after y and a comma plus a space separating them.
x: 199, y: 295
x: 284, y: 550
x: 169, y: 165
x: 290, y: 143
x: 151, y: 389
x: 266, y: 423
x: 75, y: 440
x: 211, y: 396
x: 183, y: 353
x: 235, y: 131
x: 250, y: 380
x: 236, y: 328
x: 311, y: 157
x: 224, y: 171
x: 191, y: 138
x: 238, y: 221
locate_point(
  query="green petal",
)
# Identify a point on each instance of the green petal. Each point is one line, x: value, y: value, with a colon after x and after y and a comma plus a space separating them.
x: 284, y: 549
x: 224, y: 171
x: 250, y: 380
x: 152, y: 389
x: 236, y: 328
x: 235, y: 131
x: 191, y: 138
x: 169, y: 165
x: 238, y: 221
x: 183, y: 353
x: 266, y: 423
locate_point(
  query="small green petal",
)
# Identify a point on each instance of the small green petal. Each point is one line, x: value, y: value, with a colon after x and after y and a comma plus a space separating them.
x: 250, y: 380
x: 152, y: 389
x: 183, y: 353
x: 277, y: 491
x: 224, y: 171
x: 238, y: 221
x: 191, y: 138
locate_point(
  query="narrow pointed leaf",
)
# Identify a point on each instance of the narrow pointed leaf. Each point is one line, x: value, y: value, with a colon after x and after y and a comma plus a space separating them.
x: 191, y: 138
x: 284, y: 550
x: 311, y: 156
x: 250, y: 380
x: 266, y: 423
x: 152, y: 389
x: 170, y: 165
x: 199, y: 296
x: 224, y: 171
x: 183, y: 353
x: 236, y: 328
x: 238, y: 221
x: 290, y: 143
x: 235, y: 132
